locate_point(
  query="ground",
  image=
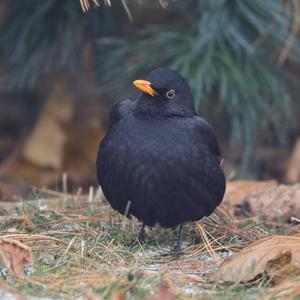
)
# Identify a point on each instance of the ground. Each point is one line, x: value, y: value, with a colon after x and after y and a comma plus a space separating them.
x: 82, y: 249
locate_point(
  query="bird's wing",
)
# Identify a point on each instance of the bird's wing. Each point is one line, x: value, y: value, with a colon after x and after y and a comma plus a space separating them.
x: 208, y: 136
x: 119, y: 110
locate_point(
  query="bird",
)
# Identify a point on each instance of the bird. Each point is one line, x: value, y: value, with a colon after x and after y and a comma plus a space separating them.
x: 159, y: 160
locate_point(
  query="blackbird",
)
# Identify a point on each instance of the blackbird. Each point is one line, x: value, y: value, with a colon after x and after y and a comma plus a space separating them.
x: 159, y: 160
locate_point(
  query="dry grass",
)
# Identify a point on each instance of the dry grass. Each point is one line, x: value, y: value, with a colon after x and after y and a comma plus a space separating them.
x: 80, y: 245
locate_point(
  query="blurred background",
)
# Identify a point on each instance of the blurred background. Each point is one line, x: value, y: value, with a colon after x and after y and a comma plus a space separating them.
x: 63, y: 64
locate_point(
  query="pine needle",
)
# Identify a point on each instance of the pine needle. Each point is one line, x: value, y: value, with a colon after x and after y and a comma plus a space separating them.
x: 86, y: 5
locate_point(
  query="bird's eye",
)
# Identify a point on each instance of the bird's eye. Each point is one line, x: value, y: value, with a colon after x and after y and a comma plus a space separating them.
x: 170, y: 94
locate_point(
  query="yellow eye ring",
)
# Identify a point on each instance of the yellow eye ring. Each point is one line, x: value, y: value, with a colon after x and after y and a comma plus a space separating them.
x: 170, y: 94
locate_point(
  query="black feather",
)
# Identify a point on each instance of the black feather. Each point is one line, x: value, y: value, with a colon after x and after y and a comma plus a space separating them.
x: 162, y: 157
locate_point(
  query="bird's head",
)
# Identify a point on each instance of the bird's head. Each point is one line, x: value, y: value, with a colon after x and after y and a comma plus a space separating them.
x: 166, y: 91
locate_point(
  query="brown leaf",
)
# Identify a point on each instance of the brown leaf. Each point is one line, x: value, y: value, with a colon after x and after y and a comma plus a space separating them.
x: 237, y: 191
x: 80, y: 151
x: 44, y: 146
x: 275, y: 204
x: 288, y: 289
x: 163, y: 292
x: 278, y: 256
x: 293, y: 168
x: 11, y: 192
x: 15, y: 256
x: 118, y: 296
x: 35, y: 175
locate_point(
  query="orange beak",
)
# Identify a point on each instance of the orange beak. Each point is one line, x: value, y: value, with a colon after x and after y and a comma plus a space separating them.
x: 145, y: 86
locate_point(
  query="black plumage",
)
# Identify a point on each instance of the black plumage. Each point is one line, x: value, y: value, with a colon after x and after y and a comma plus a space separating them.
x: 159, y: 160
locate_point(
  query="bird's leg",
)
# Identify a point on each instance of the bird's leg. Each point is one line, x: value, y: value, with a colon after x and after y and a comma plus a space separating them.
x: 142, y: 236
x: 177, y: 251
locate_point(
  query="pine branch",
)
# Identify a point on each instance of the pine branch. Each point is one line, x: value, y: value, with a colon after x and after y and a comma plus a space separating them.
x: 229, y: 55
x: 86, y: 4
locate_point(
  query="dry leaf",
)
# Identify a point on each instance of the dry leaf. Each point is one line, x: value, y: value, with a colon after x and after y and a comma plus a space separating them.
x: 11, y: 192
x: 24, y: 169
x: 163, y: 292
x: 15, y: 256
x: 44, y: 146
x: 293, y: 168
x: 118, y: 296
x: 237, y: 191
x: 80, y: 150
x: 275, y: 204
x: 278, y: 256
x: 288, y: 289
